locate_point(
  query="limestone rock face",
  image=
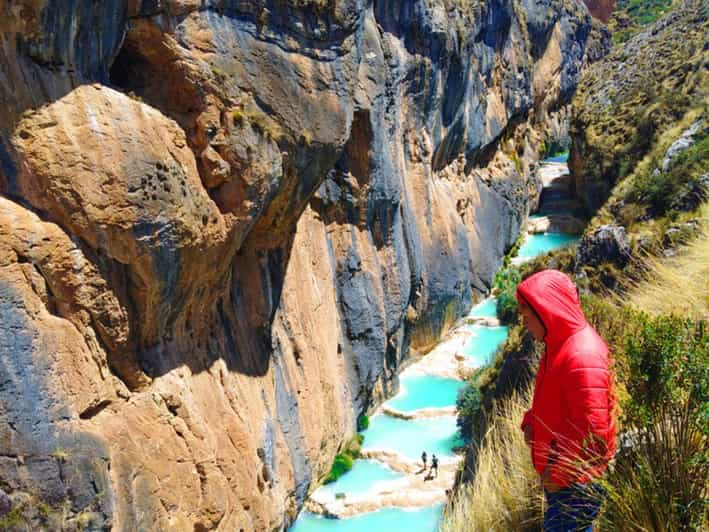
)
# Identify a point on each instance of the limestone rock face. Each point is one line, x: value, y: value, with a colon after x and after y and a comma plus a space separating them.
x: 225, y: 225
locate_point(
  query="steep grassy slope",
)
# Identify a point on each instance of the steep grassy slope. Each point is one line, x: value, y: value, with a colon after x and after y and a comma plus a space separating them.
x: 625, y: 103
x: 641, y: 160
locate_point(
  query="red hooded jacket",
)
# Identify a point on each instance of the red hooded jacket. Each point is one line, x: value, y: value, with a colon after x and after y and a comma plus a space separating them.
x: 573, y: 415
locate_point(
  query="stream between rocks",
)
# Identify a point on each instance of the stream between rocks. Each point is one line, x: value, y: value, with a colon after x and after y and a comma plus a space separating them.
x: 387, y: 488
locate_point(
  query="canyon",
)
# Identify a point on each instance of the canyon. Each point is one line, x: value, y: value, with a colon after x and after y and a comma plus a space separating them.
x: 225, y: 227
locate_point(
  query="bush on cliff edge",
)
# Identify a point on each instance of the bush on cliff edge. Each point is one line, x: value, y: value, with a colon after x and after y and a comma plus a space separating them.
x: 660, y: 477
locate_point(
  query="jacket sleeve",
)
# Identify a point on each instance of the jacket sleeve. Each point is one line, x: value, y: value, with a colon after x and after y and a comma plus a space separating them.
x: 581, y: 443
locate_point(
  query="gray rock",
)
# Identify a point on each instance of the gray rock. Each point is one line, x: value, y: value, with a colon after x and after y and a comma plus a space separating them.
x: 609, y: 243
x: 697, y: 191
x: 685, y: 140
x: 425, y: 82
x: 5, y: 503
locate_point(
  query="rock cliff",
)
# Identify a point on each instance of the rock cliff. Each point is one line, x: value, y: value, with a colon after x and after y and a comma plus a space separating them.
x: 225, y: 225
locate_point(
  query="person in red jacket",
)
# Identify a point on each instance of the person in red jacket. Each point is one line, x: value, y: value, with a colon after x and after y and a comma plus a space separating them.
x: 571, y: 426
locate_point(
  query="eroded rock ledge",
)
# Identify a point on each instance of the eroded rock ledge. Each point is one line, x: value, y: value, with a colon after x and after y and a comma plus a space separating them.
x: 226, y: 224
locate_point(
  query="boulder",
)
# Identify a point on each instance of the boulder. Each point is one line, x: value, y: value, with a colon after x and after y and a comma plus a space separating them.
x: 608, y: 243
x: 685, y: 140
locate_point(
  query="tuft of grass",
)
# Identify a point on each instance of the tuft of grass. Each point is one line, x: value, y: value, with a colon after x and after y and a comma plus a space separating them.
x: 505, y: 493
x: 12, y: 519
x: 84, y: 520
x: 250, y: 114
x: 678, y: 285
x: 342, y: 464
x: 60, y: 454
x: 44, y: 509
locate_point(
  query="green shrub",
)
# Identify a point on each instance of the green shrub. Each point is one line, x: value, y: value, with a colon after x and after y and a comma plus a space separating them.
x: 342, y: 464
x: 506, y: 283
x: 644, y: 12
x: 507, y: 307
x: 660, y: 478
x: 469, y: 407
x: 362, y: 422
x: 659, y: 190
x: 666, y: 367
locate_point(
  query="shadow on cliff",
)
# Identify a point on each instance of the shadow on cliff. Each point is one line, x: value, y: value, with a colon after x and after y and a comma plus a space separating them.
x: 237, y: 329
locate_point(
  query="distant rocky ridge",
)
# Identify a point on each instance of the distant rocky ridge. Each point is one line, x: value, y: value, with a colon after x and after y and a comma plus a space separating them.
x: 225, y: 224
x: 625, y: 102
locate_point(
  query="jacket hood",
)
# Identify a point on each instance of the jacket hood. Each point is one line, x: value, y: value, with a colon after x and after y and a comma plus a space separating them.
x: 554, y: 298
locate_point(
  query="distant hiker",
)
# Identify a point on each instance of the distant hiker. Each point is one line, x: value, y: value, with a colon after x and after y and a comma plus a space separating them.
x: 571, y: 426
x: 423, y: 459
x: 434, y: 464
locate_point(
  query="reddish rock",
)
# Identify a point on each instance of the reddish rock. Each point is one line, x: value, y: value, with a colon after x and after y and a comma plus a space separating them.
x: 601, y: 9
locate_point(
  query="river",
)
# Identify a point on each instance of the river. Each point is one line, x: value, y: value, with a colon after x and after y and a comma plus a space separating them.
x: 387, y: 489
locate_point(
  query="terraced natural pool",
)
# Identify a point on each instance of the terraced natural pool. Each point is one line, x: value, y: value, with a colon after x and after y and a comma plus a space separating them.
x: 363, y: 477
x: 539, y: 244
x: 482, y: 345
x: 408, y: 437
x: 387, y: 520
x: 425, y: 391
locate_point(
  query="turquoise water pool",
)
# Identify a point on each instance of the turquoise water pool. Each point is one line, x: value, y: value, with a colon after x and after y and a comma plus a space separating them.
x: 539, y: 244
x: 487, y: 308
x: 481, y: 347
x: 435, y: 435
x: 425, y: 391
x: 360, y: 479
x: 387, y: 520
x: 561, y: 158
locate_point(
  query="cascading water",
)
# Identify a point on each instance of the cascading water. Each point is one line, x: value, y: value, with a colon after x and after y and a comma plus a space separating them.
x: 388, y: 489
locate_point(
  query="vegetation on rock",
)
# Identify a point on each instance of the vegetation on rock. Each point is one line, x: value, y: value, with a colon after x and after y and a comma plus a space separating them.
x: 345, y: 460
x: 660, y: 473
x: 631, y: 16
x: 646, y: 294
x: 626, y: 103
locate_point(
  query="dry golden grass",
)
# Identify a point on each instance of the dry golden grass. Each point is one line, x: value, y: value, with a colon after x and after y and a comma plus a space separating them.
x: 679, y: 285
x: 505, y: 494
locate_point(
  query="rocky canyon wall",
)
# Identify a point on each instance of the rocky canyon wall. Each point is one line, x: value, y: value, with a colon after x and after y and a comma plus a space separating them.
x: 224, y: 226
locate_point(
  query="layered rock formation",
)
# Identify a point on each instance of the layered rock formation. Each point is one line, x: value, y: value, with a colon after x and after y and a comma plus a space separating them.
x: 224, y: 225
